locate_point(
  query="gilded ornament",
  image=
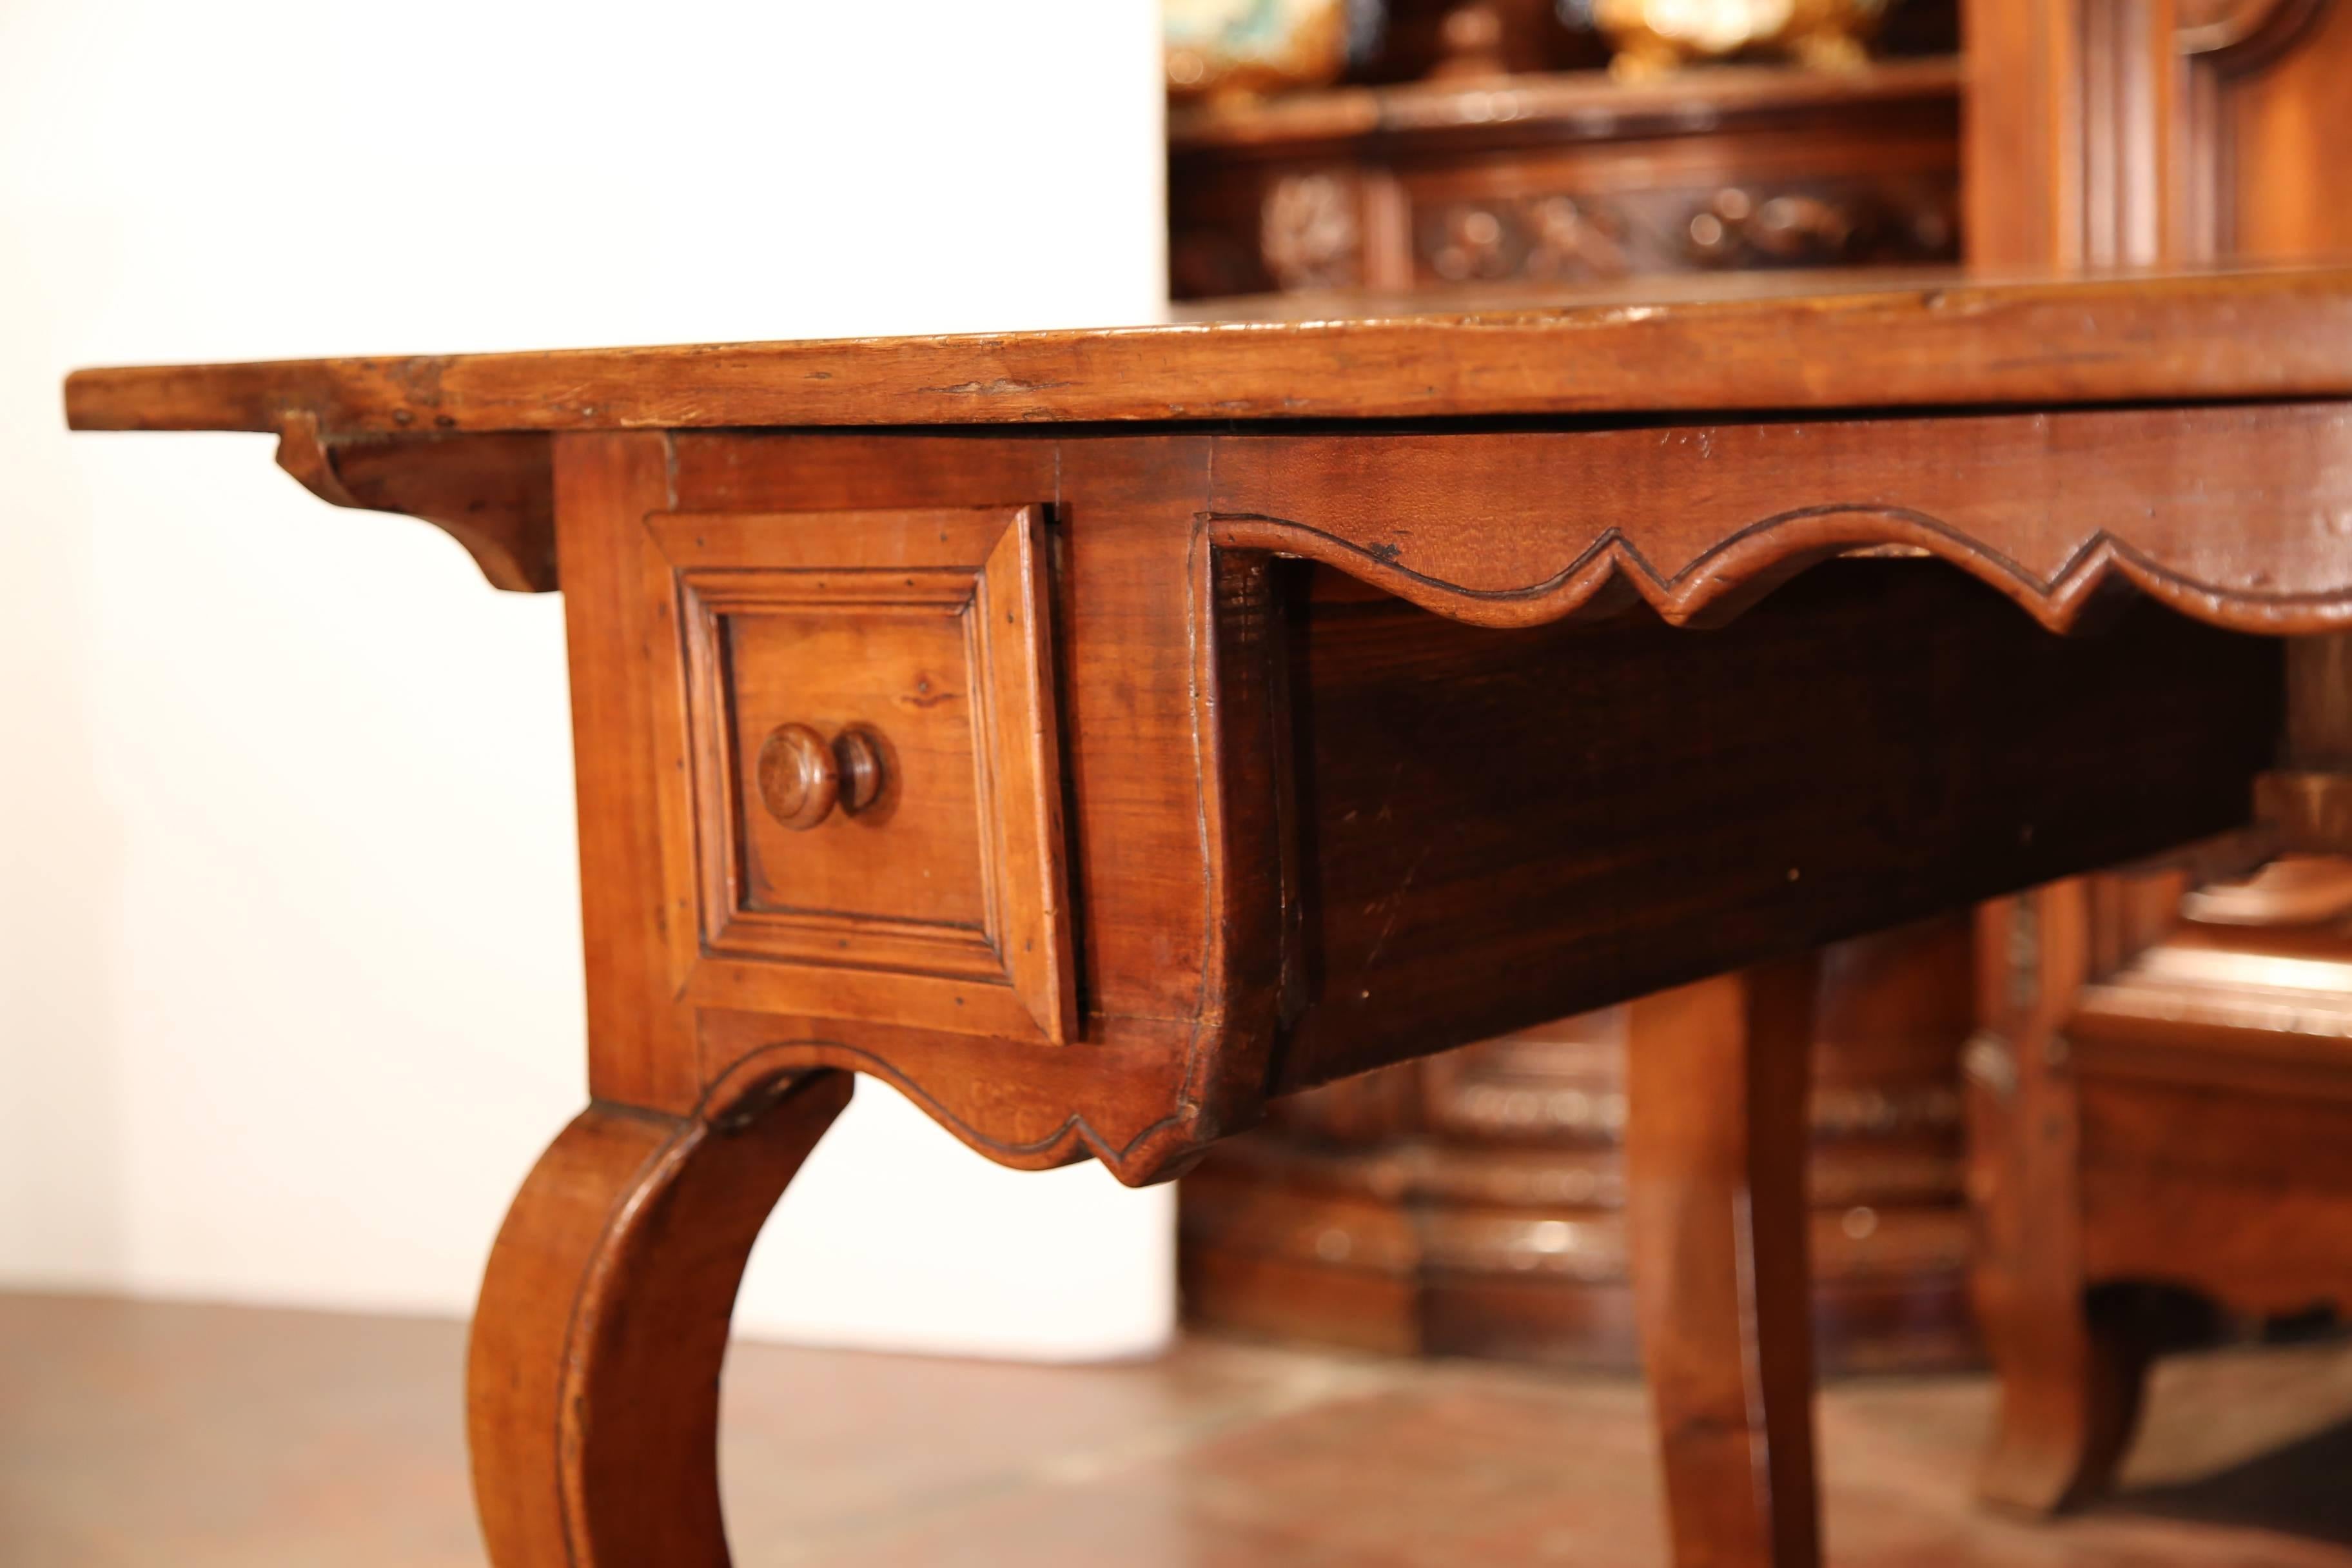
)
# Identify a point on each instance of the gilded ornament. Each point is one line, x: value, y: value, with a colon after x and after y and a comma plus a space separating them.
x: 1652, y: 37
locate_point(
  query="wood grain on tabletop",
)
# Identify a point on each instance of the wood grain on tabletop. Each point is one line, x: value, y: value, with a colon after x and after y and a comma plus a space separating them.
x: 1745, y: 341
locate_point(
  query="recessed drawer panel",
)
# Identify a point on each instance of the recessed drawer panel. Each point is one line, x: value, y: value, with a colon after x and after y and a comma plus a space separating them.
x: 874, y: 786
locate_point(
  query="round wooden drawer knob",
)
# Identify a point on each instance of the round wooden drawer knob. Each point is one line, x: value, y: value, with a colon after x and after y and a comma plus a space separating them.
x: 803, y: 777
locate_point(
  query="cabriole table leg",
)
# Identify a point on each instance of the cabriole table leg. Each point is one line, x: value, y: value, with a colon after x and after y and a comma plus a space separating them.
x: 2070, y: 1369
x: 593, y: 1378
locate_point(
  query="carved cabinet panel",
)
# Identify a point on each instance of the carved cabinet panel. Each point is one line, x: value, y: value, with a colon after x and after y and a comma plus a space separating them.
x: 1594, y: 236
x: 1565, y: 179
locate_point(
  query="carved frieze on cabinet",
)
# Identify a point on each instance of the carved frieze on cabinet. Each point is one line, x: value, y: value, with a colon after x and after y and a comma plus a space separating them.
x: 1559, y: 236
x: 1565, y: 179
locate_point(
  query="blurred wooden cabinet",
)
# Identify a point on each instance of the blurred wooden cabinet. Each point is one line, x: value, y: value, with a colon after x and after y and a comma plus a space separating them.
x: 1570, y: 177
x: 2160, y: 1149
x: 2161, y: 1101
x: 2126, y: 131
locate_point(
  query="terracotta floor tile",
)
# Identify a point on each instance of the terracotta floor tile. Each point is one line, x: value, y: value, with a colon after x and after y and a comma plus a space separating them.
x: 143, y: 1434
x: 139, y: 1434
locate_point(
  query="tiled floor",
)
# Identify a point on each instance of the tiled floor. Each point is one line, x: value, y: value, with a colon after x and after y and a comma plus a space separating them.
x: 197, y: 1436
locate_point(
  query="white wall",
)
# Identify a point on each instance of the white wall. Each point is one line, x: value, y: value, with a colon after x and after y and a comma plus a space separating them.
x: 290, y: 996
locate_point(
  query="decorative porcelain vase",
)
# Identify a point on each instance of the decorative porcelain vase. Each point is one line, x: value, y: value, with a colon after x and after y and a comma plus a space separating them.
x: 1652, y: 37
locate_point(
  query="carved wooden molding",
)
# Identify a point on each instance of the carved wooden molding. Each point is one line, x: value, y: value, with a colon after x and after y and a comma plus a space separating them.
x: 2056, y: 512
x: 1108, y: 1101
x: 1713, y: 587
x: 494, y: 494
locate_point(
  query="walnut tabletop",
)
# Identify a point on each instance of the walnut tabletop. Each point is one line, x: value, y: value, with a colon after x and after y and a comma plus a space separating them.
x: 1097, y: 733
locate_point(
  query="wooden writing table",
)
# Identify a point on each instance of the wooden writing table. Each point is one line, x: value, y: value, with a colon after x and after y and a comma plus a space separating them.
x: 1095, y: 734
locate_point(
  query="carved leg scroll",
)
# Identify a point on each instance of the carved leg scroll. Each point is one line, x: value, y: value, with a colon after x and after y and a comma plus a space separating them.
x: 2071, y: 1380
x: 2071, y: 1367
x: 593, y: 1379
x: 1717, y: 1075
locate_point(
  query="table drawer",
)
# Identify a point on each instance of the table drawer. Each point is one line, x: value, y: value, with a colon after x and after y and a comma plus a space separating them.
x: 872, y: 767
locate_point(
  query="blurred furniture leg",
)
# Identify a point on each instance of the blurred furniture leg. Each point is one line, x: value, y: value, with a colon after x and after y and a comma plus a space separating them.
x: 2159, y: 1106
x: 1473, y: 1203
x: 593, y: 1379
x: 1717, y: 1218
x: 2069, y: 1381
